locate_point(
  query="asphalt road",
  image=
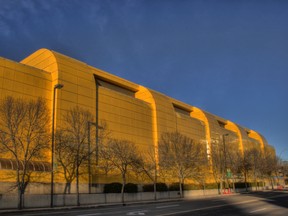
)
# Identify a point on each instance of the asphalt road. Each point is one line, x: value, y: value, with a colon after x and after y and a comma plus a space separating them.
x: 259, y: 203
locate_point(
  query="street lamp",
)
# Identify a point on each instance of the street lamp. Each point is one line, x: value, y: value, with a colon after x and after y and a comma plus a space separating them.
x: 89, y: 152
x: 225, y: 156
x: 57, y: 86
x: 224, y: 148
x: 89, y: 157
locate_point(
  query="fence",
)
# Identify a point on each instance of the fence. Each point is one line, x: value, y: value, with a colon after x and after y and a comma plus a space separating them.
x: 42, y: 198
x: 9, y: 201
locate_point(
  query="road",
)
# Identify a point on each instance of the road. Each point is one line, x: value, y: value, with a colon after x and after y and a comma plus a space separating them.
x: 258, y: 203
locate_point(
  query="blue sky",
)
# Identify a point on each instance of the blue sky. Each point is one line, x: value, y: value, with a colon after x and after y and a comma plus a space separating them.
x: 228, y: 57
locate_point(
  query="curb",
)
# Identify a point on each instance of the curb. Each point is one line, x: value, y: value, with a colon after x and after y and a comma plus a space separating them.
x: 5, y: 211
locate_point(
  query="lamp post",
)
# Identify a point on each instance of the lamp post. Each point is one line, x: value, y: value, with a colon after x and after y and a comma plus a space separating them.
x: 89, y: 156
x: 225, y: 157
x: 57, y: 86
x: 89, y: 151
x: 224, y: 148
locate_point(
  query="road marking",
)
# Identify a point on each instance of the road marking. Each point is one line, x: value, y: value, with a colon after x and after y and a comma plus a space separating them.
x: 103, y: 213
x: 137, y: 213
x: 48, y: 213
x: 210, y: 207
x: 262, y: 209
x: 90, y: 214
x: 169, y: 206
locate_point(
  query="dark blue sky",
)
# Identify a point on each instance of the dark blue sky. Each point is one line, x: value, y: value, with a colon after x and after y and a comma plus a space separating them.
x: 228, y: 57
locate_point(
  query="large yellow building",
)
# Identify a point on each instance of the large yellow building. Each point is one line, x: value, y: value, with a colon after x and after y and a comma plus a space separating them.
x: 131, y: 111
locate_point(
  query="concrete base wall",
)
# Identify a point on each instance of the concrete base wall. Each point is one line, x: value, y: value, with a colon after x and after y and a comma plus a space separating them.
x: 8, y: 201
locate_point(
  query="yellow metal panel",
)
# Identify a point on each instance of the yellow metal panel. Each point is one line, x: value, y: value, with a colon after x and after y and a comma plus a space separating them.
x: 87, y: 92
x: 71, y: 78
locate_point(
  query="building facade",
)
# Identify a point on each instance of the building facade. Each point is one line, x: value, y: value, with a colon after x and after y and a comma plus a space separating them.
x: 131, y: 111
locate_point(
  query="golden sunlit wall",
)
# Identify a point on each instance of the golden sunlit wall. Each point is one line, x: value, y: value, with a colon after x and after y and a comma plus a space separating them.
x: 126, y: 116
x: 23, y: 81
x: 130, y: 111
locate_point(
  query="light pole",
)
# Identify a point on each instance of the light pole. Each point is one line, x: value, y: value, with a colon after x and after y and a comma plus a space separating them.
x: 89, y: 156
x: 89, y: 152
x: 57, y: 86
x: 225, y: 156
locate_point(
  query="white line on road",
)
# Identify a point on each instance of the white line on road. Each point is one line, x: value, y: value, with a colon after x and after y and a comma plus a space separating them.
x: 91, y: 214
x: 135, y: 212
x: 262, y: 209
x: 205, y: 208
x: 169, y: 206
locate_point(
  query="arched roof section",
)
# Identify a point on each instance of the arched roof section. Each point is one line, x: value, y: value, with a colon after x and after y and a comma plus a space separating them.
x: 76, y: 76
x: 263, y: 139
x: 43, y: 59
x: 200, y: 115
x: 233, y: 127
x: 166, y: 121
x: 215, y: 130
x: 145, y: 95
x: 253, y: 134
x: 248, y: 140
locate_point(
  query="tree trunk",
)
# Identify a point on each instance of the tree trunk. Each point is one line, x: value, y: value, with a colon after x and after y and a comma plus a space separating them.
x: 21, y: 191
x: 245, y: 179
x: 221, y: 186
x: 155, y: 185
x: 67, y: 188
x: 155, y: 191
x: 77, y: 185
x: 20, y: 199
x: 122, y: 189
x: 233, y: 182
x: 271, y: 180
x: 19, y: 188
x: 180, y: 187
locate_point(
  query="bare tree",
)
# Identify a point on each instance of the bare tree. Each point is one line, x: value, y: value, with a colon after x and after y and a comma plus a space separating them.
x: 65, y: 155
x: 225, y: 162
x: 148, y: 165
x: 268, y: 166
x: 234, y: 158
x: 72, y: 145
x: 236, y: 162
x: 122, y: 155
x: 218, y: 163
x: 282, y: 169
x: 256, y: 161
x: 24, y: 135
x: 181, y: 156
x: 251, y: 164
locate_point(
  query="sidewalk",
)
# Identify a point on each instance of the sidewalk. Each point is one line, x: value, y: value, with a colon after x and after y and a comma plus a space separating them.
x: 5, y: 211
